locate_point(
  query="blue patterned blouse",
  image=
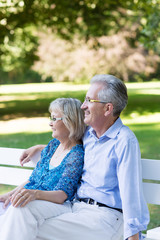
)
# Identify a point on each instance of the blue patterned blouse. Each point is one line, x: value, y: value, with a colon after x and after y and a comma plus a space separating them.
x: 64, y: 177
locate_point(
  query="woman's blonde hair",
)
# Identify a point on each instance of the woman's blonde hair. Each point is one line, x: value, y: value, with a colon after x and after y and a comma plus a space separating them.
x: 72, y: 114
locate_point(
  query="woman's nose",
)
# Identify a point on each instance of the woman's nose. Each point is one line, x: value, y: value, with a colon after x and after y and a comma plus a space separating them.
x: 50, y: 123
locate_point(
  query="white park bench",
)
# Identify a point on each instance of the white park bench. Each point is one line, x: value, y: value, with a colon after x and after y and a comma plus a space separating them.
x: 11, y: 173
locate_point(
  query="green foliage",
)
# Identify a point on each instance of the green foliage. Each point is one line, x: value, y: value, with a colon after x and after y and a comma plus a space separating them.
x: 19, y: 76
x: 84, y: 17
x: 21, y: 21
x: 150, y: 34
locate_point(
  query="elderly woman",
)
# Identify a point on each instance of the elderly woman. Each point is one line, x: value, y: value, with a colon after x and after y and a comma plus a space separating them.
x: 53, y: 182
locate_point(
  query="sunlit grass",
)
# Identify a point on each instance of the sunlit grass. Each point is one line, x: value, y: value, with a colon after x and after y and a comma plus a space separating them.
x: 144, y: 85
x: 41, y: 87
x: 143, y: 88
x: 147, y: 91
x: 29, y: 125
x: 136, y: 118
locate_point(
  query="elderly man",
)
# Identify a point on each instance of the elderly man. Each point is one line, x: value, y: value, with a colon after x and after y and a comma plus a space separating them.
x: 109, y: 203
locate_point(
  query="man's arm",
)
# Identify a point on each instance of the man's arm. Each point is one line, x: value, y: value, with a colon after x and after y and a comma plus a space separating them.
x: 29, y: 152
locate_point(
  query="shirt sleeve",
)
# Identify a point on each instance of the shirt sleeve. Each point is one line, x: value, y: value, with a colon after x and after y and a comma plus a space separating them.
x: 135, y: 211
x: 72, y: 173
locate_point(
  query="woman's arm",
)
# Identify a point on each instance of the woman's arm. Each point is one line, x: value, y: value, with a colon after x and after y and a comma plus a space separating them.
x: 65, y: 187
x: 29, y: 152
x: 26, y: 195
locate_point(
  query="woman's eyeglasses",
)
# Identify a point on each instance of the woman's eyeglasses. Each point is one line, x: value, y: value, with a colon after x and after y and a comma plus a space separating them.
x: 54, y: 119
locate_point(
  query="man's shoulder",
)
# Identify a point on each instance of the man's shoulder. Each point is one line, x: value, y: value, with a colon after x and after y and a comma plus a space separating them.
x: 126, y: 131
x: 126, y: 135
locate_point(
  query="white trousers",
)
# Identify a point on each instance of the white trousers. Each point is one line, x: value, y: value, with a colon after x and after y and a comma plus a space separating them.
x: 87, y: 222
x: 41, y: 220
x: 22, y: 223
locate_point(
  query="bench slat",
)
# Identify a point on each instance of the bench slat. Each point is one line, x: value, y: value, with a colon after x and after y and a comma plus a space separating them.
x: 151, y: 169
x: 11, y: 156
x: 153, y: 233
x: 152, y: 192
x: 14, y: 176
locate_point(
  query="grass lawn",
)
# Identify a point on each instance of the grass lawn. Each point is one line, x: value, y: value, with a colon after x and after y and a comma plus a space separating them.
x: 24, y: 117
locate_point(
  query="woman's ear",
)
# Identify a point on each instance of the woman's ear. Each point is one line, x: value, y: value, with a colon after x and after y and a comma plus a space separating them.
x: 108, y: 108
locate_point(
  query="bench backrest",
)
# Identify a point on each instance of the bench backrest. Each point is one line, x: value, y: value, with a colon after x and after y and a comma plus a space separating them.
x: 12, y: 173
x: 151, y: 180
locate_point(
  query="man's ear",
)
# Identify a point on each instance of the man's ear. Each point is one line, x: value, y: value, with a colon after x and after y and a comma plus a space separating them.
x: 108, y: 108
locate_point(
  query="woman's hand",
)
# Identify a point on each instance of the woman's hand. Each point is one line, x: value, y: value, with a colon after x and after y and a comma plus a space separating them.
x: 5, y: 198
x: 22, y: 197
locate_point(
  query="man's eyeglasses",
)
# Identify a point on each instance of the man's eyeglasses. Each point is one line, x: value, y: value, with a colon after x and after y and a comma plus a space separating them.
x: 55, y: 119
x: 93, y: 100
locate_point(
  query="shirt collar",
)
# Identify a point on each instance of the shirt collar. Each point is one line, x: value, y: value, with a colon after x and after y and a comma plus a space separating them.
x: 111, y: 132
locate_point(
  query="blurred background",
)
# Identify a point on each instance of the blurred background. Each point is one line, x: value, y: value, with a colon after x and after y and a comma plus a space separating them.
x: 52, y: 48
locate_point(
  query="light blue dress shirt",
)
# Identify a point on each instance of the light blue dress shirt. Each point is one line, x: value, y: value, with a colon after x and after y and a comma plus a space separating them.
x: 112, y: 174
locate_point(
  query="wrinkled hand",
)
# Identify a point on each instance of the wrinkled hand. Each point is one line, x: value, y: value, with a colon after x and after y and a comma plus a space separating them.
x: 5, y: 198
x: 22, y: 197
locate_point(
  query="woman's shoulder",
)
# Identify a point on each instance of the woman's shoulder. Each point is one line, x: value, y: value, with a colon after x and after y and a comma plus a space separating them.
x: 53, y: 143
x: 50, y: 146
x: 78, y: 147
x: 76, y: 153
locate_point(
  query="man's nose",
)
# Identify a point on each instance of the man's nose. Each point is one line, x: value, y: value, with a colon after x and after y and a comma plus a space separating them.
x: 84, y: 105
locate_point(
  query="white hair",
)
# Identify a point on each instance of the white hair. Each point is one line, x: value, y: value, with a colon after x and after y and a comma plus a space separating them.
x: 114, y: 91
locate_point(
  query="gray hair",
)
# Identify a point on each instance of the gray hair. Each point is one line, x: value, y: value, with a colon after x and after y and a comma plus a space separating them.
x: 114, y: 92
x: 72, y: 114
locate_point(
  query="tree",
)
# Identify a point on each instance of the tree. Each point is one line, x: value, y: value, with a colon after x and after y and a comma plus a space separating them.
x: 21, y: 20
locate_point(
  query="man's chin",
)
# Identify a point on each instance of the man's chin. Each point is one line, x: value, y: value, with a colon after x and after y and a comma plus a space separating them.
x: 86, y: 121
